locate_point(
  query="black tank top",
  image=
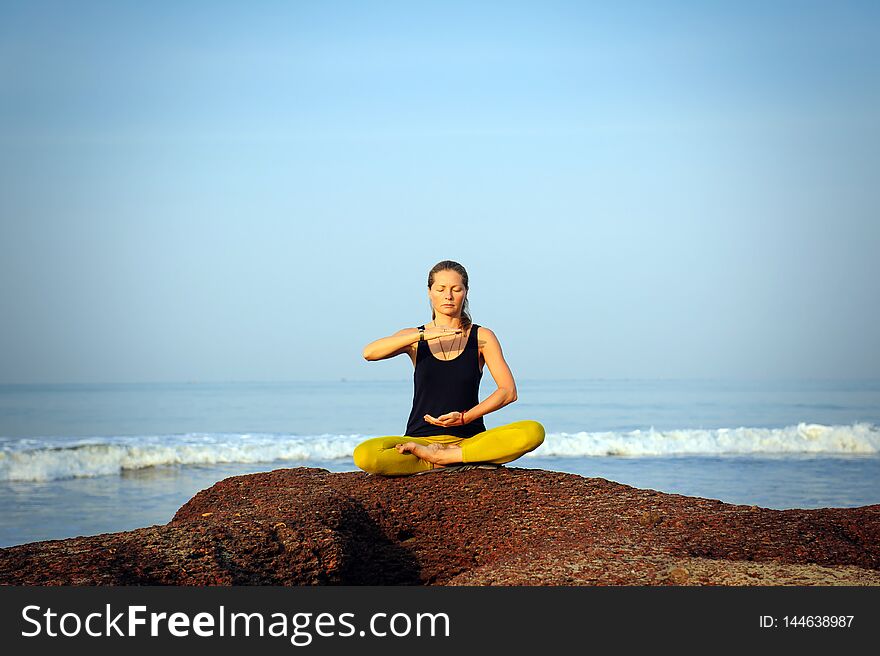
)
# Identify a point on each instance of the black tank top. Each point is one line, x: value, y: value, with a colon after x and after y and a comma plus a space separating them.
x: 442, y: 386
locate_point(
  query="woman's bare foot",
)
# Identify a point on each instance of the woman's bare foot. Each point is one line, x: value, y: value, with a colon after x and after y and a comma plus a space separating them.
x: 438, y: 454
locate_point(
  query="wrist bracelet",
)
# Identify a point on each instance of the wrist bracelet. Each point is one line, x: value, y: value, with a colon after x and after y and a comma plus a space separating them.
x: 421, y: 334
x: 462, y: 417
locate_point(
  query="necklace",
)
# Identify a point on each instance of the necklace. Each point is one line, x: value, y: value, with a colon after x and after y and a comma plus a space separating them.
x: 445, y: 356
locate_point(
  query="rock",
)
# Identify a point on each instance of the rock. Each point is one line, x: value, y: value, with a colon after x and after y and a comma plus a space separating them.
x: 509, y: 526
x: 650, y: 518
x: 678, y: 575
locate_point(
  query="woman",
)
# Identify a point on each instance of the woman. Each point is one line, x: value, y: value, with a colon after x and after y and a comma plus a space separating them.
x: 445, y: 425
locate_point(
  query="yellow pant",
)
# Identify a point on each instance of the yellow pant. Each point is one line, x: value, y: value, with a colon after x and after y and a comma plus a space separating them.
x: 497, y: 445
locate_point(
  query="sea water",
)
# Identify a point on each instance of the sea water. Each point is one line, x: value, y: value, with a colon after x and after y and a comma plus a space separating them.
x: 88, y: 459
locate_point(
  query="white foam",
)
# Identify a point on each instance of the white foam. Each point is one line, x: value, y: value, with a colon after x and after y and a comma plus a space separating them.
x: 47, y: 459
x: 54, y: 458
x: 860, y: 438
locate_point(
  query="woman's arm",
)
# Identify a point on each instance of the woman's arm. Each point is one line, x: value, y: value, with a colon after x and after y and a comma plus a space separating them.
x: 501, y: 374
x: 403, y: 340
x: 388, y: 347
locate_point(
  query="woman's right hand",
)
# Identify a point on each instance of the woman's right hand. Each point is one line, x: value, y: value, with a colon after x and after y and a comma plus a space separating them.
x: 436, y: 332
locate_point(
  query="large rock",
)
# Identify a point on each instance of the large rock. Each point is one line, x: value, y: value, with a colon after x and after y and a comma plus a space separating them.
x: 479, y: 527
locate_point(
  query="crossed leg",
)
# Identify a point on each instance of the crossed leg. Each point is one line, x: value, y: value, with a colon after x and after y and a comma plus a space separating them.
x: 499, y: 445
x: 503, y: 443
x: 379, y: 455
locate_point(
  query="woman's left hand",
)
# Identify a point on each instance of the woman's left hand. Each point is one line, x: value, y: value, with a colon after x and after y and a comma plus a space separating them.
x: 449, y: 419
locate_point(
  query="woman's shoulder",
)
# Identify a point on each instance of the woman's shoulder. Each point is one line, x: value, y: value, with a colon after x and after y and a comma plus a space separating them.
x: 485, y: 335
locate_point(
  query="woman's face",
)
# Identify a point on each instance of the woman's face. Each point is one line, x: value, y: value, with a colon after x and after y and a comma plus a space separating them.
x: 447, y: 294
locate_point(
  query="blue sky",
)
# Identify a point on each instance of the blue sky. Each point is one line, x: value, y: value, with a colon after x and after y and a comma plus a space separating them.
x: 208, y: 191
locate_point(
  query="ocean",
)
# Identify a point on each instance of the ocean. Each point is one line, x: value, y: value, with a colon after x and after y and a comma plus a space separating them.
x: 83, y: 459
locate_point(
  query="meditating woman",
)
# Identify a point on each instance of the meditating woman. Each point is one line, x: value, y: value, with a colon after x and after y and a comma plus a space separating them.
x: 445, y: 425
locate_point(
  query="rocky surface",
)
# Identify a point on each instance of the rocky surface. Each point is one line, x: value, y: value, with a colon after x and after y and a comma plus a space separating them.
x: 480, y: 527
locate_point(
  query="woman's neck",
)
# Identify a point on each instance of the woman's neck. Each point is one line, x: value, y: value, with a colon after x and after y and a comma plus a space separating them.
x: 443, y: 320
